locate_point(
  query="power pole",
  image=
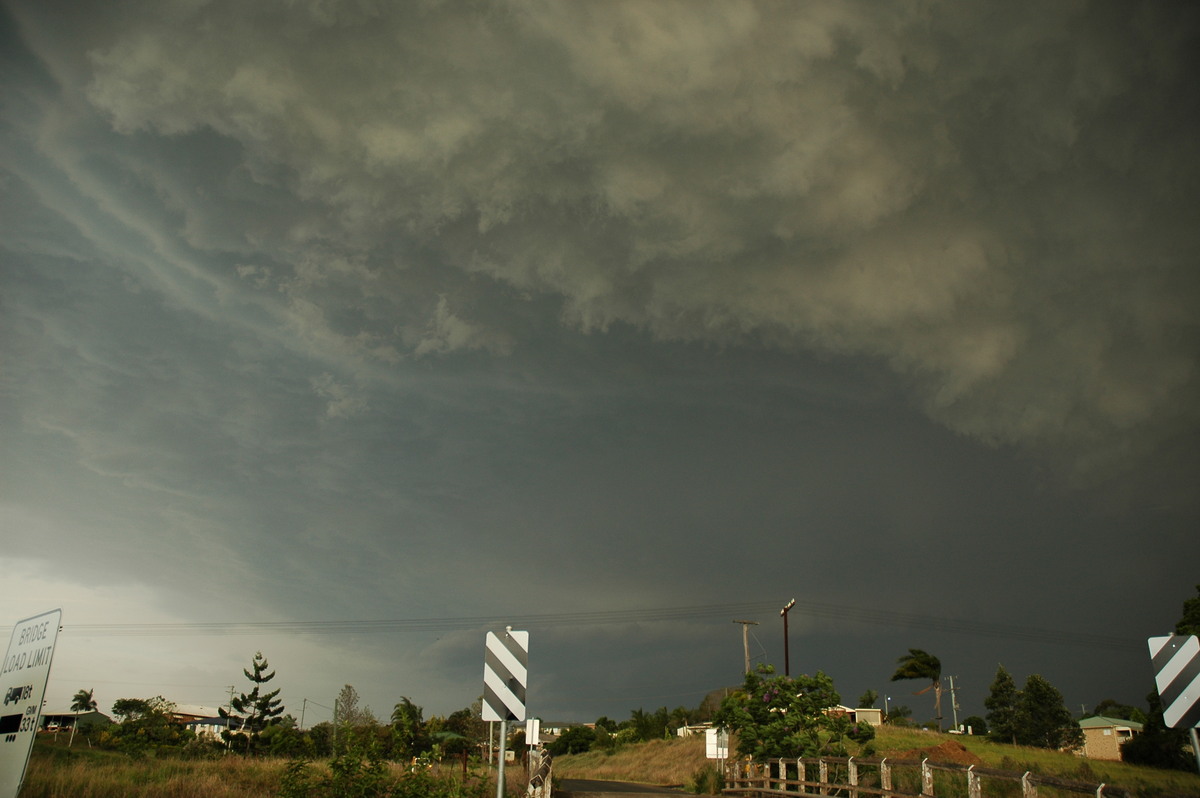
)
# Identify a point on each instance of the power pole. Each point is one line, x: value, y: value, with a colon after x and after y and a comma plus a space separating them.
x: 953, y: 702
x: 746, y: 639
x: 787, y: 665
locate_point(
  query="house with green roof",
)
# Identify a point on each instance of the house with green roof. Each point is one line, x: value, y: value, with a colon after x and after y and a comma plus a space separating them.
x: 1103, y: 736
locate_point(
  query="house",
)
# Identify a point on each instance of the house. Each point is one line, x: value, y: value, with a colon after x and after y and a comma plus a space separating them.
x: 64, y: 721
x: 211, y: 728
x: 1102, y: 737
x: 868, y: 715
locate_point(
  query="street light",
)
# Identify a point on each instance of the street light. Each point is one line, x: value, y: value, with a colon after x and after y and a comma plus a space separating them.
x: 787, y: 671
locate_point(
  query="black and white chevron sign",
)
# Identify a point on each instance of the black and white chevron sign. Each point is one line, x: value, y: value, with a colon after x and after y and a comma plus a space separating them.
x: 505, y: 675
x: 1176, y: 660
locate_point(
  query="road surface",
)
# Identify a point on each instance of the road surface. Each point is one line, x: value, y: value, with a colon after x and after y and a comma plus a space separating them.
x: 589, y: 788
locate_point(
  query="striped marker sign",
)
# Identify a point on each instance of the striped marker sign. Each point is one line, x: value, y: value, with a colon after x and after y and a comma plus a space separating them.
x: 505, y: 675
x: 1176, y: 660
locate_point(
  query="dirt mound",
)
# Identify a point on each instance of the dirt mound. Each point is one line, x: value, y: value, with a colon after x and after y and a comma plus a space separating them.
x: 949, y: 751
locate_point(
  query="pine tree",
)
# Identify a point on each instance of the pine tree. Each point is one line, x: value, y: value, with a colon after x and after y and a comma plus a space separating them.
x: 1001, y: 704
x: 1043, y: 720
x: 257, y: 710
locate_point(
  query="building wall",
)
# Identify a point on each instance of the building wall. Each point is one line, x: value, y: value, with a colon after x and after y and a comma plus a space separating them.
x: 1103, y: 743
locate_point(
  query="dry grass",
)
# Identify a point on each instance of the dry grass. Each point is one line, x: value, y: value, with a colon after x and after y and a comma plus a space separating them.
x: 98, y: 774
x: 660, y: 762
x: 675, y: 762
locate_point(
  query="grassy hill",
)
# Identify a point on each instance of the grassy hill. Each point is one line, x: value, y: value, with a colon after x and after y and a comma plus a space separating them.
x: 676, y: 762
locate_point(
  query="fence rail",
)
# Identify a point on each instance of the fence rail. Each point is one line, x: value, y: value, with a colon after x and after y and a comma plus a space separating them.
x: 853, y: 777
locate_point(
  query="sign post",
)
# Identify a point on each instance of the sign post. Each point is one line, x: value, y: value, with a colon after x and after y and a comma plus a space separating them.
x: 23, y: 677
x: 1176, y: 661
x: 505, y: 675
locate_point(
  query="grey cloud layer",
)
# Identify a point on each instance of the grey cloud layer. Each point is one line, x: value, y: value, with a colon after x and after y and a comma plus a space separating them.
x: 996, y: 201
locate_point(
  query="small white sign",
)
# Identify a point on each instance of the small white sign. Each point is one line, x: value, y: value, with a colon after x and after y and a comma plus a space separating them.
x: 23, y: 676
x: 716, y: 744
x: 533, y: 732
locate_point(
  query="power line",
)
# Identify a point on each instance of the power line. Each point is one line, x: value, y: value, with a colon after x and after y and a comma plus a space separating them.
x: 839, y: 613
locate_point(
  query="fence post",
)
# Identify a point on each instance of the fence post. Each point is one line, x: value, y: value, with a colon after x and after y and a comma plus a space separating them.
x: 852, y: 772
x: 926, y: 777
x: 1028, y: 788
x: 885, y: 774
x: 974, y: 788
x: 823, y: 769
x: 800, y: 775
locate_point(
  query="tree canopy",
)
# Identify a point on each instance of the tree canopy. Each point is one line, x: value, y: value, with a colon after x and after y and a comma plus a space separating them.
x: 918, y: 664
x: 779, y: 716
x: 257, y: 709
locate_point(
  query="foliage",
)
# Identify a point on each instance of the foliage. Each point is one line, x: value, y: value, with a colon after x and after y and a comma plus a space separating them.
x: 918, y: 664
x: 1189, y: 622
x: 976, y: 724
x: 708, y: 780
x: 146, y: 727
x: 1110, y: 708
x: 1043, y: 720
x: 127, y: 709
x: 409, y: 734
x: 360, y: 772
x: 899, y: 715
x: 257, y: 710
x: 868, y: 699
x: 84, y: 701
x: 348, y: 712
x: 778, y: 716
x: 1159, y: 746
x: 575, y: 740
x: 1001, y: 704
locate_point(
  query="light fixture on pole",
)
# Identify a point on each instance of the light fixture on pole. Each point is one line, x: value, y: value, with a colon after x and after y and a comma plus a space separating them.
x: 787, y: 669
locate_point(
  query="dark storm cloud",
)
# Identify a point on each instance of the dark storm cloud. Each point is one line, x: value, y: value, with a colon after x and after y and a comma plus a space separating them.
x: 366, y: 309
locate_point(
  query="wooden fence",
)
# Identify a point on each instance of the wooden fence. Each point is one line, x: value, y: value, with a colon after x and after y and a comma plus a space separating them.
x: 852, y: 777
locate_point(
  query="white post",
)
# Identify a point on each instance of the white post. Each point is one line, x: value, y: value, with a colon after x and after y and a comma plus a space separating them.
x: 500, y: 760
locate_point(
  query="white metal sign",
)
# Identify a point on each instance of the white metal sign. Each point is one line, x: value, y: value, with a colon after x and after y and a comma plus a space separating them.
x: 505, y: 675
x: 716, y: 744
x: 1176, y: 661
x: 23, y: 677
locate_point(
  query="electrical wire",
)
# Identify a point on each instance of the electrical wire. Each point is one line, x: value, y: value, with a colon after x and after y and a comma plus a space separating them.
x: 840, y: 614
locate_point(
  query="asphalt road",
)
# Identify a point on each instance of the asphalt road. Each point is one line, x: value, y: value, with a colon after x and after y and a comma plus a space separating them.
x: 589, y: 788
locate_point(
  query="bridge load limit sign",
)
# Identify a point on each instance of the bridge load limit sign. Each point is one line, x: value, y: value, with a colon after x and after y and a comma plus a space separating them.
x: 23, y: 682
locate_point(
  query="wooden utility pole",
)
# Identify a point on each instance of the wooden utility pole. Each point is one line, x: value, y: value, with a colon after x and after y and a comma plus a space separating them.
x: 787, y: 665
x: 746, y: 639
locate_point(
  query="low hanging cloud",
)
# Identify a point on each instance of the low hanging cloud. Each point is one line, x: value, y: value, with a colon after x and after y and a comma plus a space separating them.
x: 1005, y: 220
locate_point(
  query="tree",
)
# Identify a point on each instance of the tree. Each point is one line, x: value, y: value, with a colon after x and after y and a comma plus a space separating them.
x: 1159, y: 746
x: 83, y: 702
x: 146, y: 724
x: 1111, y: 708
x: 1189, y: 623
x: 976, y: 724
x: 257, y: 709
x: 409, y: 727
x: 348, y: 711
x: 1001, y: 704
x: 778, y: 716
x: 1043, y: 720
x: 868, y: 699
x: 918, y: 664
x: 575, y: 740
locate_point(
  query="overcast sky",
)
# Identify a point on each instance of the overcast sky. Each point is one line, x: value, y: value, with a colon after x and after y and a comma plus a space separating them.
x: 616, y: 322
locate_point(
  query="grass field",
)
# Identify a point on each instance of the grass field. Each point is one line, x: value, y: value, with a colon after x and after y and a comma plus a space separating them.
x: 55, y: 772
x: 676, y: 762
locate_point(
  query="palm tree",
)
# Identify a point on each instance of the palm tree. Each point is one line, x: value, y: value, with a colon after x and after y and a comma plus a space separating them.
x: 918, y: 664
x: 83, y: 702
